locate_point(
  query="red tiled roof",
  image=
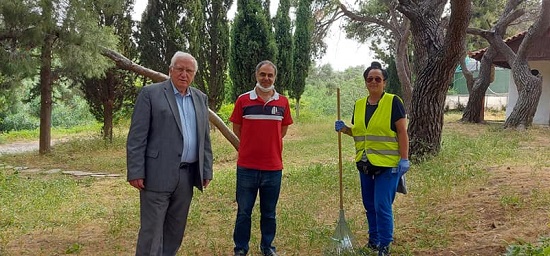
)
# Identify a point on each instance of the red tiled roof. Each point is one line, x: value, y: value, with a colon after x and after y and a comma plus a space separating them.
x: 538, y: 51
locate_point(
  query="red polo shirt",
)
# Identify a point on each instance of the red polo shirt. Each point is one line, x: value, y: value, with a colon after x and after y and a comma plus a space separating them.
x: 261, y: 141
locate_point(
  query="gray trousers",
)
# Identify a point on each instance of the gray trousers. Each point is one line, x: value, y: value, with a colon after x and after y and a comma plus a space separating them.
x: 163, y: 217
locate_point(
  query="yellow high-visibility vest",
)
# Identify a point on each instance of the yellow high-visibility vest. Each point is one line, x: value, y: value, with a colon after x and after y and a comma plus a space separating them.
x: 377, y: 139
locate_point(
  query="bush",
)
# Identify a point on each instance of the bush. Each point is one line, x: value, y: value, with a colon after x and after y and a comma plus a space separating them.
x: 19, y: 121
x: 542, y: 248
x: 225, y: 112
x: 72, y: 113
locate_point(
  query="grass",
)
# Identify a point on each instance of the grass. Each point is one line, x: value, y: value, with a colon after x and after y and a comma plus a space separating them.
x: 32, y: 135
x: 52, y: 214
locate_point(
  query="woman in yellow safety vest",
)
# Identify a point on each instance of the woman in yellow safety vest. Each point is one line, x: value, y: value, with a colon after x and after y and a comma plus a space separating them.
x: 379, y: 129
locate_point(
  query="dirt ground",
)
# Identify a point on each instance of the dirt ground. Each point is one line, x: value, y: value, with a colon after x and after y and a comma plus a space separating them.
x: 511, y: 209
x: 494, y: 226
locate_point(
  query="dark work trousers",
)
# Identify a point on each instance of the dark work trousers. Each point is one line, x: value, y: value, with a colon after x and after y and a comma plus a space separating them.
x: 164, y: 216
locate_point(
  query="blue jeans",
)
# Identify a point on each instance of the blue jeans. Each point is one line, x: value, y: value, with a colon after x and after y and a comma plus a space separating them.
x: 378, y: 193
x: 249, y: 183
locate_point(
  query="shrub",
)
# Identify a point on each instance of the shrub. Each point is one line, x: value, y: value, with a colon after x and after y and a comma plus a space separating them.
x: 541, y: 248
x: 19, y: 121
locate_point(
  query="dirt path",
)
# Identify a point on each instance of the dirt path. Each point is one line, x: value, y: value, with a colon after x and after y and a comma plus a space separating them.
x: 24, y: 146
x: 29, y: 146
x: 18, y: 147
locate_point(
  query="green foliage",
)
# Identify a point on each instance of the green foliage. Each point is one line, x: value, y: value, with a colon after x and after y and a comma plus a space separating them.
x: 61, y: 39
x: 251, y: 42
x: 19, y: 121
x: 69, y: 110
x: 283, y: 37
x: 19, y: 31
x: 71, y: 113
x: 106, y: 95
x: 73, y: 248
x: 393, y: 85
x: 209, y: 43
x: 40, y: 209
x: 65, y: 115
x: 225, y: 112
x: 364, y: 31
x: 380, y: 37
x: 320, y: 92
x: 302, y: 48
x: 542, y: 248
x: 161, y: 33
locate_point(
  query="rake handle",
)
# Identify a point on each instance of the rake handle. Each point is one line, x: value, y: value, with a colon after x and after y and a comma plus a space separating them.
x: 339, y: 151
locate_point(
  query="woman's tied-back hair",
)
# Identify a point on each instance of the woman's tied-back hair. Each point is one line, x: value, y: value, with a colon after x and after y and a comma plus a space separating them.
x: 375, y: 65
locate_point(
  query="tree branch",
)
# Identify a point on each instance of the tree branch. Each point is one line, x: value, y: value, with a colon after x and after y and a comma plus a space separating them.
x: 541, y: 25
x: 361, y: 18
x: 126, y: 64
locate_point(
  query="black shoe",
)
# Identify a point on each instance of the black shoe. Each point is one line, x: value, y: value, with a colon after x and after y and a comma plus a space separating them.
x: 269, y: 252
x: 372, y: 246
x: 240, y: 253
x: 384, y: 250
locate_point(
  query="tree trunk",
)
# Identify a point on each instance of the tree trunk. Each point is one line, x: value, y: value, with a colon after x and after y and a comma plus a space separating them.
x: 475, y: 108
x: 46, y: 96
x: 108, y: 120
x: 528, y: 82
x: 426, y: 117
x: 529, y: 91
x: 474, y: 112
x: 436, y: 57
x: 403, y: 70
x: 297, y: 107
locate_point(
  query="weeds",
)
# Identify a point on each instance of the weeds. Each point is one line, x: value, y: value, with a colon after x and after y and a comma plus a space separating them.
x: 454, y: 197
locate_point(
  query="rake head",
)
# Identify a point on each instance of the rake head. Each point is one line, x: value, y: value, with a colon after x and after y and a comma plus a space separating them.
x: 342, y: 238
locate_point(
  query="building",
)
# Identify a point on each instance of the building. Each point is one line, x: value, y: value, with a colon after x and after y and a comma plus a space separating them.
x: 538, y: 58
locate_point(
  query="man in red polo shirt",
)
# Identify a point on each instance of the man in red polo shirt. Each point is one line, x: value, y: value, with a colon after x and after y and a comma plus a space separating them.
x: 260, y: 119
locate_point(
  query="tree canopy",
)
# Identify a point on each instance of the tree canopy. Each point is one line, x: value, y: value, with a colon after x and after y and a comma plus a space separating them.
x: 302, y: 50
x: 251, y: 42
x: 59, y: 37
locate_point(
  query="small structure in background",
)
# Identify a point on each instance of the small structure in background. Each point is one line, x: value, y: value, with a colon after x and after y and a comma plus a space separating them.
x: 539, y: 61
x: 496, y: 96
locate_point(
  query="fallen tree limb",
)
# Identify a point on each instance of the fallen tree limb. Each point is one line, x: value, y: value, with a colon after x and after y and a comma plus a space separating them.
x: 126, y: 64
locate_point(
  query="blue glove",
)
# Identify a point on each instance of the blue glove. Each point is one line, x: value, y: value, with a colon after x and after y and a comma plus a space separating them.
x: 403, y: 166
x: 339, y: 125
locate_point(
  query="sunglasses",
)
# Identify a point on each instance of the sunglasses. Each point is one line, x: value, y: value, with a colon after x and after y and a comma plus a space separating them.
x: 377, y: 79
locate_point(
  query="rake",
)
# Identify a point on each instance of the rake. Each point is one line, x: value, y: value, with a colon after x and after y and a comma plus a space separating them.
x: 342, y: 238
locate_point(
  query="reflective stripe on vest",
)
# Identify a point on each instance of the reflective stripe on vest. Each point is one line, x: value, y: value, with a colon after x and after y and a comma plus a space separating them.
x: 378, y: 140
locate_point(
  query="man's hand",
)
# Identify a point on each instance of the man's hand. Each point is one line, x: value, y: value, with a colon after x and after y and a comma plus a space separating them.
x: 403, y: 166
x: 205, y: 183
x: 137, y: 183
x: 339, y: 125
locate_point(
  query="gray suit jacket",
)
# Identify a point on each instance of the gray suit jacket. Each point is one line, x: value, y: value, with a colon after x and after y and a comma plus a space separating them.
x: 155, y: 140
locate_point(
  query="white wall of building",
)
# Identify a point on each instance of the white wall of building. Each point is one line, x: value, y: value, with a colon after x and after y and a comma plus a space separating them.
x: 491, y: 101
x: 542, y: 116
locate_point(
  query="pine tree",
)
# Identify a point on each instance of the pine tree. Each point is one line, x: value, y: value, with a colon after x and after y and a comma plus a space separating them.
x: 283, y: 38
x: 160, y: 33
x: 107, y: 95
x: 58, y: 38
x: 393, y: 85
x: 251, y: 42
x: 302, y: 50
x: 209, y: 43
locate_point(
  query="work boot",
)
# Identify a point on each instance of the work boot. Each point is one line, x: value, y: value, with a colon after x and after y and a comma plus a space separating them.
x: 384, y: 250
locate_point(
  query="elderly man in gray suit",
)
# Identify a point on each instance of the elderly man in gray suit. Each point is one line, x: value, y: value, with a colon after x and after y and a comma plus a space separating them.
x: 168, y: 153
